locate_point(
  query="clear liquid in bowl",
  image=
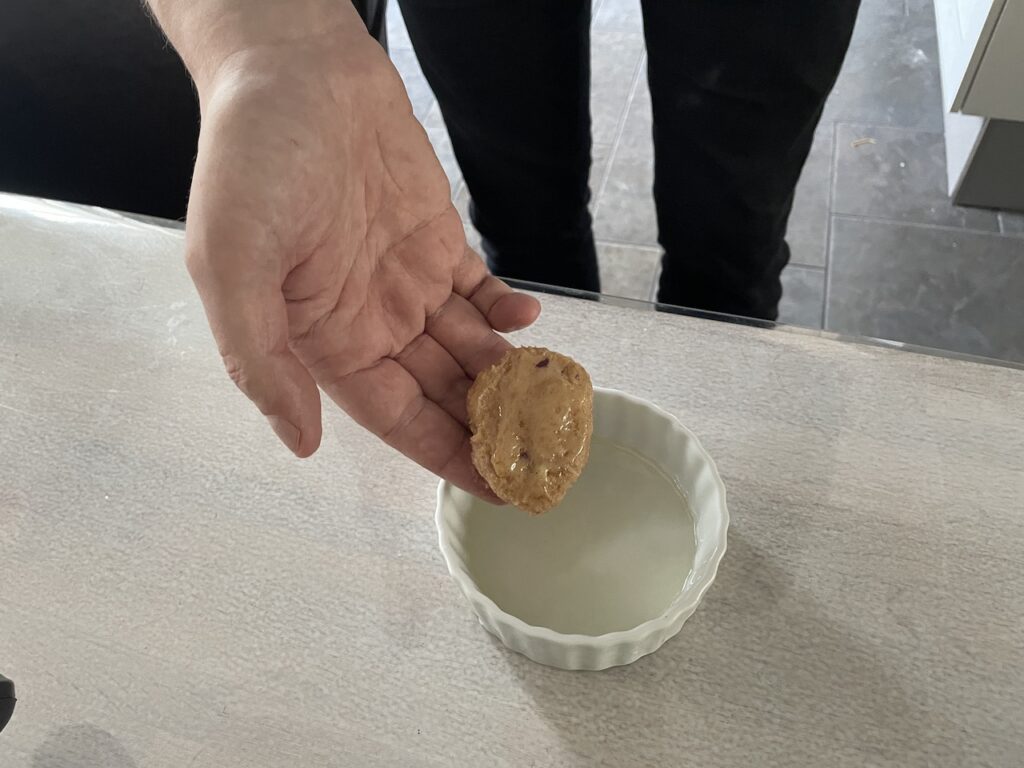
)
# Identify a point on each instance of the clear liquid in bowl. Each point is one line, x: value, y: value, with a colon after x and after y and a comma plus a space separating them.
x: 614, y: 554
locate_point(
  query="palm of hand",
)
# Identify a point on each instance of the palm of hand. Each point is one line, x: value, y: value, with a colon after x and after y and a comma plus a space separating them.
x: 326, y: 249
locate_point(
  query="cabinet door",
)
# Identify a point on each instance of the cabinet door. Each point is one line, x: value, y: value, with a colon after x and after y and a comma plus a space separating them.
x: 964, y: 28
x: 997, y: 89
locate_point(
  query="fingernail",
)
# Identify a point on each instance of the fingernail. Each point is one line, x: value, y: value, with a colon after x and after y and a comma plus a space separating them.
x: 287, y: 431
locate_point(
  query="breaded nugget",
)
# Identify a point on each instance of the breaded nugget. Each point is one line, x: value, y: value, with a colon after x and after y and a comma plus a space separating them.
x: 532, y: 417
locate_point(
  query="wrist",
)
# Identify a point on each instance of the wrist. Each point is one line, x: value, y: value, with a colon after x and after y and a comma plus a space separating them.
x: 210, y: 33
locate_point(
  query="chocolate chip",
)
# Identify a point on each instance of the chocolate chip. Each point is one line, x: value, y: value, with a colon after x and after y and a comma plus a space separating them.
x: 543, y: 363
x: 524, y: 454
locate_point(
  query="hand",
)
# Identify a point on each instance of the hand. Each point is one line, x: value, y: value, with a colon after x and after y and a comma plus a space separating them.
x: 326, y: 251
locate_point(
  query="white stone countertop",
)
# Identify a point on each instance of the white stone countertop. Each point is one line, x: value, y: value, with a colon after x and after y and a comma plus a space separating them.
x: 177, y: 590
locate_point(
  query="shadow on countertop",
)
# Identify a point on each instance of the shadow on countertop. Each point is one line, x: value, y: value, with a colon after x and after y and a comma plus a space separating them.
x: 81, y: 746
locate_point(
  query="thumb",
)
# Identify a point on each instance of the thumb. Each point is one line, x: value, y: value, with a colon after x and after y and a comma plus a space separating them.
x: 249, y: 320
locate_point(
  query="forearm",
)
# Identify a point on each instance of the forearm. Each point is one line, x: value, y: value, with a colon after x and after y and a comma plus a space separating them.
x: 208, y: 32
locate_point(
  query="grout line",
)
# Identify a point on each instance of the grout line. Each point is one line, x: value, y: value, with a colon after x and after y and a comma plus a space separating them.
x: 1002, y: 225
x: 833, y: 168
x: 921, y: 225
x: 619, y: 128
x: 886, y: 127
x: 628, y: 244
x: 811, y: 267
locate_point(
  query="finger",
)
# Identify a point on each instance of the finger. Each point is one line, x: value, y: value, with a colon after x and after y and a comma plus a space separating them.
x: 460, y: 328
x: 386, y: 400
x: 440, y: 377
x: 505, y: 309
x: 249, y: 321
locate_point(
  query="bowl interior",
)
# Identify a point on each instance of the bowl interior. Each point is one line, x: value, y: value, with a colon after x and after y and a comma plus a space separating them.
x: 618, y: 551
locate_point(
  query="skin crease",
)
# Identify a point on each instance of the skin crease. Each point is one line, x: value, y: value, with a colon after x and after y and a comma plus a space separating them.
x: 325, y: 248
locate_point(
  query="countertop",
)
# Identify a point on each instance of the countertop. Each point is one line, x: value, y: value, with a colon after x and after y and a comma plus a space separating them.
x: 177, y: 590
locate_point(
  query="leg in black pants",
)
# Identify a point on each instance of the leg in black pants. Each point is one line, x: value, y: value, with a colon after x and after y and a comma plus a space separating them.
x: 737, y: 88
x: 512, y: 78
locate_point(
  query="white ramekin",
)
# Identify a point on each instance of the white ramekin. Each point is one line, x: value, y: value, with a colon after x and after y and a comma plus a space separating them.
x: 643, y: 427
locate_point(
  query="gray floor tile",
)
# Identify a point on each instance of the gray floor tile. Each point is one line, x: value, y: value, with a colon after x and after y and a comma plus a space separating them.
x: 600, y: 157
x: 937, y: 287
x: 614, y: 56
x: 460, y: 197
x: 1011, y: 223
x: 803, y: 296
x: 624, y: 212
x: 894, y: 173
x: 461, y: 201
x: 398, y: 36
x: 433, y: 123
x: 891, y: 72
x: 807, y: 232
x: 921, y: 8
x: 636, y: 141
x: 416, y: 86
x: 628, y: 271
x: 621, y: 15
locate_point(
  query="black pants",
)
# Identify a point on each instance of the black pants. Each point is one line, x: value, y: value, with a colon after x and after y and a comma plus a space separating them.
x: 95, y: 108
x: 737, y: 89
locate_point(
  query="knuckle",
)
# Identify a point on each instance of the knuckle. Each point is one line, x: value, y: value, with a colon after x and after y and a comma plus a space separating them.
x: 236, y: 370
x: 255, y: 381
